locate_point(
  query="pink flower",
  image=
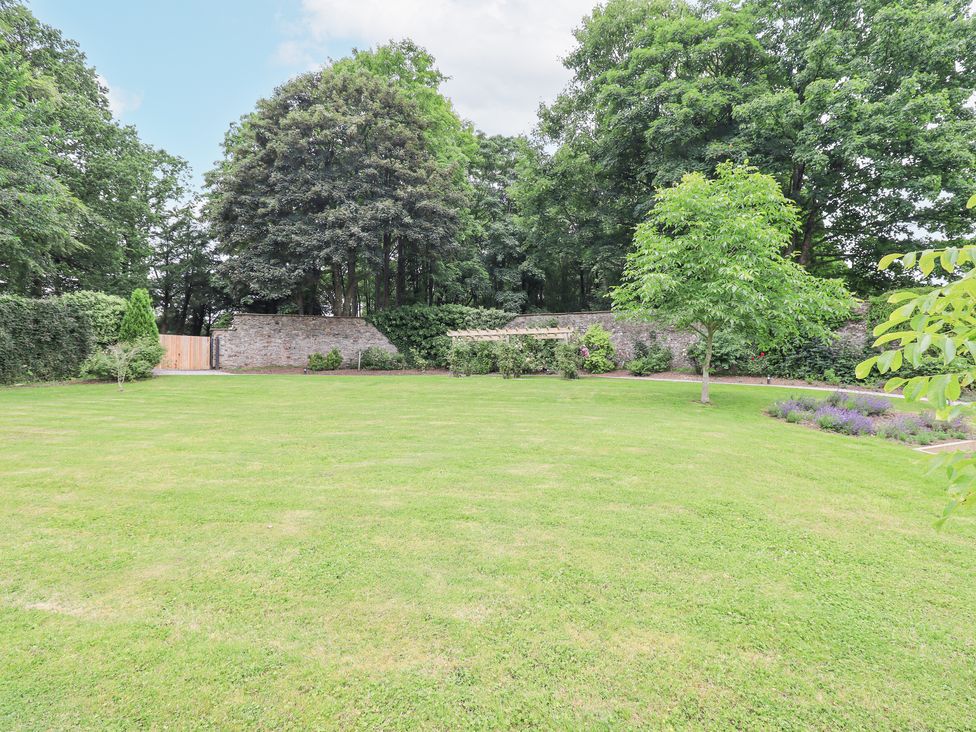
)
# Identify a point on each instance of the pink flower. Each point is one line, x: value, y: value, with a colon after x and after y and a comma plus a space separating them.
x: 584, y: 352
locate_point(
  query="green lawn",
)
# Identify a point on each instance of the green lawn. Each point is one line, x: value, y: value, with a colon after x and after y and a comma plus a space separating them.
x: 423, y: 552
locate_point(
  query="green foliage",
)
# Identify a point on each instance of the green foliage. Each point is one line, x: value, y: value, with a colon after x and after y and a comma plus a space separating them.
x: 330, y: 362
x: 473, y: 358
x: 123, y: 361
x: 316, y: 362
x: 422, y: 329
x: 650, y: 358
x: 806, y: 90
x: 139, y: 321
x: 82, y: 197
x: 381, y: 196
x: 105, y: 313
x: 333, y: 360
x: 375, y: 358
x: 731, y: 354
x: 709, y: 259
x: 540, y: 354
x: 833, y: 360
x: 602, y: 355
x: 939, y: 323
x: 569, y: 361
x: 880, y: 308
x: 511, y: 358
x: 41, y: 340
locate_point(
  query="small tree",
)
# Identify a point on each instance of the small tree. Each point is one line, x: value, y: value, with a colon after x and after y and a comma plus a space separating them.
x: 944, y: 321
x: 139, y: 321
x: 709, y: 259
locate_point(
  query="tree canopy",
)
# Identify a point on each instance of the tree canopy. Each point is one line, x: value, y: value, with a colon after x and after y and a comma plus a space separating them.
x: 709, y: 259
x: 80, y: 194
x: 860, y: 110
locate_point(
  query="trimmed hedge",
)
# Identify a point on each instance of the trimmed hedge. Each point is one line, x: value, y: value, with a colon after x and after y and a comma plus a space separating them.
x: 422, y: 329
x: 104, y: 311
x: 42, y: 340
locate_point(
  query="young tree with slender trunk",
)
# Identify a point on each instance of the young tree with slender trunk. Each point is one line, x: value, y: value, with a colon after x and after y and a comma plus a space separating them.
x: 709, y: 259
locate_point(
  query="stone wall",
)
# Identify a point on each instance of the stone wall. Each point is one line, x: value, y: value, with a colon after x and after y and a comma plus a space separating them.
x: 623, y: 333
x: 257, y: 341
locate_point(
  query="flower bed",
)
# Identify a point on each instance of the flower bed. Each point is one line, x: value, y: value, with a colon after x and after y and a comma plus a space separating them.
x: 856, y: 414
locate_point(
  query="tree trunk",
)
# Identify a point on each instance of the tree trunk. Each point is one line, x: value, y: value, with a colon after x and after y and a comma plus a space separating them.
x: 383, y: 293
x: 349, y: 307
x: 338, y: 301
x: 706, y: 365
x: 401, y: 274
x: 806, y: 243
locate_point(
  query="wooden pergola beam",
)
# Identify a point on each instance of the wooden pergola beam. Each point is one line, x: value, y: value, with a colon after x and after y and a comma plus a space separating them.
x: 502, y: 334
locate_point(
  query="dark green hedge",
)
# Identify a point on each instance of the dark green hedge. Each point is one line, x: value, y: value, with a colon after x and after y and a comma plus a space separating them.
x: 421, y: 330
x: 42, y: 340
x: 104, y: 311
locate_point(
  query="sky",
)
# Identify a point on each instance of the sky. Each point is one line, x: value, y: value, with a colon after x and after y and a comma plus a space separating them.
x: 182, y: 70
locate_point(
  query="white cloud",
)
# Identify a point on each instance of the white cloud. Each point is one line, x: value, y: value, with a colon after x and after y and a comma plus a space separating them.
x: 120, y: 101
x: 503, y: 56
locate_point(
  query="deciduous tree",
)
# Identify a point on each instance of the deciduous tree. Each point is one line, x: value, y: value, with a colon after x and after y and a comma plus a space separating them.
x: 709, y: 258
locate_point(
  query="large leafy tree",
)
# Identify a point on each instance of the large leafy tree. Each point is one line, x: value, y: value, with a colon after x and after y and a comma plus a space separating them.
x: 709, y: 258
x: 329, y: 182
x: 80, y: 195
x: 860, y: 109
x: 39, y: 216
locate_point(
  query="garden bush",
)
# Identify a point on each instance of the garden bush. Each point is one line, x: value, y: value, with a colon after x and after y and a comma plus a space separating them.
x: 599, y: 355
x: 540, y: 354
x: 649, y: 358
x: 42, y: 340
x: 105, y: 313
x: 846, y: 421
x: 139, y: 321
x: 125, y: 361
x: 864, y: 414
x: 511, y: 358
x: 816, y: 360
x: 330, y: 362
x: 569, y: 360
x: 375, y: 358
x: 731, y: 354
x: 422, y: 329
x: 469, y: 359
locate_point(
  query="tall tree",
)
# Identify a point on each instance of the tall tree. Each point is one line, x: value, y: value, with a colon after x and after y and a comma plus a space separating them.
x: 95, y: 191
x: 859, y: 108
x: 709, y: 258
x: 327, y: 181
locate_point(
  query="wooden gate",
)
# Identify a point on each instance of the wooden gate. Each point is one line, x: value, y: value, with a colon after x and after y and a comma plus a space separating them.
x: 185, y: 353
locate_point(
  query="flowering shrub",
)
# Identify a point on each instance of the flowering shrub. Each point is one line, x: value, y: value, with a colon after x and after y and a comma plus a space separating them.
x: 846, y: 421
x: 864, y: 414
x: 860, y: 403
x: 797, y: 405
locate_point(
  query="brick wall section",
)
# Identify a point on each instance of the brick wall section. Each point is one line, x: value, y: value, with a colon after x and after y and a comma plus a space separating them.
x: 623, y: 333
x: 256, y: 341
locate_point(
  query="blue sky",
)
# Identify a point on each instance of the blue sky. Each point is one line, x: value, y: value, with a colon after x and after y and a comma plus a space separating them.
x: 182, y: 70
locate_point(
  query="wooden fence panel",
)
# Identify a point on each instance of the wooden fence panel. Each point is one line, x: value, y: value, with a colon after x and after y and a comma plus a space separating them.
x: 186, y: 353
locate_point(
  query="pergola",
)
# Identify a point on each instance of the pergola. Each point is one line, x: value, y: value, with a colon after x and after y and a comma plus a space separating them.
x: 504, y: 334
